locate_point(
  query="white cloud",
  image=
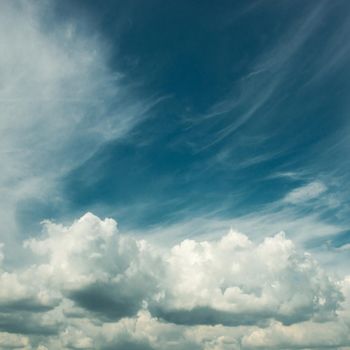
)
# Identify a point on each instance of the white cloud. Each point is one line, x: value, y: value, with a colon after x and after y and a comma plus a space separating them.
x: 90, y: 261
x: 329, y: 335
x: 305, y: 193
x: 234, y: 281
x: 91, y: 287
x: 305, y: 335
x: 13, y: 341
x: 59, y: 102
x: 345, y: 247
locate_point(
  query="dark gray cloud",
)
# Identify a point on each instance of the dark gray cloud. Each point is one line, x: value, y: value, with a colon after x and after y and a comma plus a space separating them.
x: 25, y: 305
x: 111, y: 302
x: 25, y: 323
x: 209, y: 316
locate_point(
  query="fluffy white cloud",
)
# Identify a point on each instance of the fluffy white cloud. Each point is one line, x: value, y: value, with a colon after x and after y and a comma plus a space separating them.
x: 234, y: 281
x: 330, y: 335
x: 101, y: 271
x: 91, y: 287
x: 301, y: 336
x: 13, y: 341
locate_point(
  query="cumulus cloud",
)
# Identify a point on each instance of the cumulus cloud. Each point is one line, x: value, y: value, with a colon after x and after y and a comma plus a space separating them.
x: 329, y: 335
x: 89, y: 286
x: 234, y: 281
x: 13, y: 341
x: 96, y: 268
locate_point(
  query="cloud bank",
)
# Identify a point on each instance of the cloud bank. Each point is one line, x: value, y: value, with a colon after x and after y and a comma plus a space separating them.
x: 90, y: 287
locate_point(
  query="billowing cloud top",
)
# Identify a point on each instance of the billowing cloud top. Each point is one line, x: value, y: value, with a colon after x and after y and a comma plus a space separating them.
x: 90, y: 287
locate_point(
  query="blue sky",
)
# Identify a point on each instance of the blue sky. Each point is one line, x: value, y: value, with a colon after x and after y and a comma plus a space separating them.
x: 246, y: 102
x: 178, y: 120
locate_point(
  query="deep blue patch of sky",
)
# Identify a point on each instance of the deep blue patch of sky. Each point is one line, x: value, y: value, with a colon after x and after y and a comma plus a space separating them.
x: 253, y: 89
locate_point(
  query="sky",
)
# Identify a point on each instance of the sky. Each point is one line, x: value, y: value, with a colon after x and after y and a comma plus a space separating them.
x: 174, y: 174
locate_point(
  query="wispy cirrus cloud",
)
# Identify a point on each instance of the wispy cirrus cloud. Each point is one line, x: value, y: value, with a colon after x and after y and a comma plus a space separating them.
x: 305, y: 193
x: 256, y: 94
x: 60, y: 102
